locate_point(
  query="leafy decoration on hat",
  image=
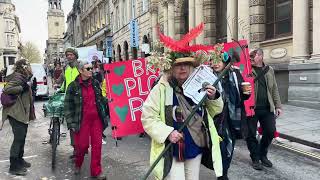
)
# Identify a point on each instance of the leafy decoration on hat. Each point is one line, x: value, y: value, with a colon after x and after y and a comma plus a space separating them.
x: 218, y: 54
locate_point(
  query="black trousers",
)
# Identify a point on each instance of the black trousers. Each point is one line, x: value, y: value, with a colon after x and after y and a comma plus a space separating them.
x: 268, y: 125
x: 19, y: 130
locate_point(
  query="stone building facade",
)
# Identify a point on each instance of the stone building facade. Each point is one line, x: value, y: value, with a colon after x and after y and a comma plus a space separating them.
x: 73, y: 35
x: 287, y: 30
x: 56, y: 28
x: 9, y: 34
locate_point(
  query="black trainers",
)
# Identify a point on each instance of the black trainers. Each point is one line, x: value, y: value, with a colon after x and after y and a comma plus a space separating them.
x: 25, y: 164
x: 256, y: 165
x: 266, y: 162
x: 18, y: 171
x: 224, y: 177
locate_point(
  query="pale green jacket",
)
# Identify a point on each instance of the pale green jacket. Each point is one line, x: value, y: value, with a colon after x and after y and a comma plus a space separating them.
x: 153, y: 120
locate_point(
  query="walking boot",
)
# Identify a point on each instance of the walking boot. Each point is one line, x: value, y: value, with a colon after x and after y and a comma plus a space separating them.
x: 266, y: 162
x: 256, y: 165
x: 16, y: 168
x: 24, y: 163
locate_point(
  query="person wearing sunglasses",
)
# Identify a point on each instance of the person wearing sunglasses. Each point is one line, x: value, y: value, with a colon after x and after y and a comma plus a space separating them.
x: 86, y: 115
x: 267, y: 108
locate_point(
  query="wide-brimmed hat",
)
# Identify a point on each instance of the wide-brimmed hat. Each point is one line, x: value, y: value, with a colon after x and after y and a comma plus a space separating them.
x: 190, y: 60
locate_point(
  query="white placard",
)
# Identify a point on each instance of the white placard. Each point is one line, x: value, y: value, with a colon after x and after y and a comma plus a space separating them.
x: 192, y: 87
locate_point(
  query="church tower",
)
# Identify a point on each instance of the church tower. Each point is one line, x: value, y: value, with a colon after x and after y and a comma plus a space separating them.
x: 56, y: 29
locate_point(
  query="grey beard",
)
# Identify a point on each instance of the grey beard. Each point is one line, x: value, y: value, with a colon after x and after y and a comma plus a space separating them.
x: 72, y: 63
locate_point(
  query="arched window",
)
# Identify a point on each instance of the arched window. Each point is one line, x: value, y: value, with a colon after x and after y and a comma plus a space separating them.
x: 145, y: 50
x: 126, y: 50
x: 119, y: 52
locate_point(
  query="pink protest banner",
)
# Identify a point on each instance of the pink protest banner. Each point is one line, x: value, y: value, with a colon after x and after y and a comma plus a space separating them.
x: 245, y: 68
x: 128, y: 85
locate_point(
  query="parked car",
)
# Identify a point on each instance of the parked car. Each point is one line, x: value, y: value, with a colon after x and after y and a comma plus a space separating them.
x: 41, y: 78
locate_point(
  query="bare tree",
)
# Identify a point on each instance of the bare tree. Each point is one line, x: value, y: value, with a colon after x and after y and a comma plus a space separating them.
x: 31, y: 52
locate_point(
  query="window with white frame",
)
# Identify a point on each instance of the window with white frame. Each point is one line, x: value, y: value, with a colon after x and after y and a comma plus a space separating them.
x: 145, y: 5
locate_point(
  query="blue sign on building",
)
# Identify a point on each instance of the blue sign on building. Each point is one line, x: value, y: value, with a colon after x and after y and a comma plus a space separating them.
x: 109, y: 47
x: 134, y: 33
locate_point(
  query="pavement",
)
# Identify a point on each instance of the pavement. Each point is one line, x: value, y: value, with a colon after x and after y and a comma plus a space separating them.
x: 130, y: 159
x: 301, y: 125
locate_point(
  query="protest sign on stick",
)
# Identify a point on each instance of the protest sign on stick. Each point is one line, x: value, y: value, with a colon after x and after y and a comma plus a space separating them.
x: 128, y: 85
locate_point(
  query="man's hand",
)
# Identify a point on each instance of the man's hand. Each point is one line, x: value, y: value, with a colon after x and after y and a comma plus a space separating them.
x: 175, y: 136
x: 278, y: 112
x: 211, y: 92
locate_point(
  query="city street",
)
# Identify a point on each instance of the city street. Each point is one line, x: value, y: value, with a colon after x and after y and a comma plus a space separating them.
x: 129, y: 161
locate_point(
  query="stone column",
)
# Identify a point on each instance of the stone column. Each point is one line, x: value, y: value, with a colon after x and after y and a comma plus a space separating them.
x: 199, y: 15
x: 300, y: 51
x: 171, y: 30
x: 257, y: 22
x: 232, y: 17
x: 191, y: 15
x: 165, y: 17
x: 210, y: 22
x: 244, y: 20
x: 316, y: 32
x: 154, y: 20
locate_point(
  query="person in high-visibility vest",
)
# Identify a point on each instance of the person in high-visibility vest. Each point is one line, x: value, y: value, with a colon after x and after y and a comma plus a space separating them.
x: 69, y: 74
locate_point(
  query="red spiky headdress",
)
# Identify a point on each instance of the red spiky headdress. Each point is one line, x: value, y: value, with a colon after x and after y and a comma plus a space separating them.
x: 182, y: 46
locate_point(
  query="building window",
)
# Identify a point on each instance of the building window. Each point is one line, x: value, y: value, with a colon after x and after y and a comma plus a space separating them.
x: 145, y: 5
x: 278, y: 18
x: 133, y: 7
x: 11, y: 60
x: 124, y: 10
x: 118, y: 19
x: 221, y: 24
x: 10, y: 39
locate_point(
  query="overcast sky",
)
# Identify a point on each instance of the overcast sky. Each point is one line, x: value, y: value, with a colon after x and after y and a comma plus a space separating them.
x: 33, y: 20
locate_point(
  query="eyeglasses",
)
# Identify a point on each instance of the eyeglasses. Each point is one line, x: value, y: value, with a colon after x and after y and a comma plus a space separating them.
x: 89, y: 68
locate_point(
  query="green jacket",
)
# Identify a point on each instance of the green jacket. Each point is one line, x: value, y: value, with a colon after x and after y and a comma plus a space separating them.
x: 73, y: 104
x: 272, y: 90
x: 70, y: 74
x: 21, y: 109
x: 156, y: 118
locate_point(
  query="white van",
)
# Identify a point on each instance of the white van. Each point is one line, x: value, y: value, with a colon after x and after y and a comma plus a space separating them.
x: 40, y: 74
x: 42, y: 81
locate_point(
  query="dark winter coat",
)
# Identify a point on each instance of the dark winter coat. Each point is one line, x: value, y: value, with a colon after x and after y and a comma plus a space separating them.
x: 73, y: 104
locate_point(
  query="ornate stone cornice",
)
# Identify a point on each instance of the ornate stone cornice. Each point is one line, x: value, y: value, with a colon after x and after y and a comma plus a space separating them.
x: 257, y: 2
x: 257, y: 19
x: 154, y: 7
x: 164, y: 3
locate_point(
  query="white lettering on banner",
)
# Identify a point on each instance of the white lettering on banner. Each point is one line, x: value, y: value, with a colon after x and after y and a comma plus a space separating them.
x: 149, y: 81
x: 135, y: 109
x: 149, y: 69
x: 128, y: 86
x: 140, y: 88
x: 137, y: 66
